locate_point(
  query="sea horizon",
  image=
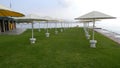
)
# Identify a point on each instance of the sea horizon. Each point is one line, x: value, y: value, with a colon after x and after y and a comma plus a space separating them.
x: 111, y: 27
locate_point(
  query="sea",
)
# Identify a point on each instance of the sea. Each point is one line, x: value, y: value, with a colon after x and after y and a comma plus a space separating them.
x: 112, y: 25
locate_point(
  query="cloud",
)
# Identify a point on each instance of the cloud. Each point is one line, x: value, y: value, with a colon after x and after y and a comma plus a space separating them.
x: 67, y: 3
x: 75, y: 8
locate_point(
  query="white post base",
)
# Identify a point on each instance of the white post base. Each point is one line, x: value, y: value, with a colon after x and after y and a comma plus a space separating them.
x: 56, y: 32
x: 39, y: 30
x: 47, y: 34
x: 93, y: 43
x: 32, y: 40
x: 61, y: 30
x: 88, y: 36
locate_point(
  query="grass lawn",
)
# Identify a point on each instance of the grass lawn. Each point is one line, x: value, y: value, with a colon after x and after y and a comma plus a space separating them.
x: 68, y: 49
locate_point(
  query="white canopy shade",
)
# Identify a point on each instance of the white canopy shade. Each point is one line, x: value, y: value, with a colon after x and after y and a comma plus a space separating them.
x: 29, y: 18
x: 95, y: 15
x: 50, y: 19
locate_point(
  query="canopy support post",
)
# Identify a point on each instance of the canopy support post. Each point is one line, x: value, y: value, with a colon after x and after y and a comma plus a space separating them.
x: 93, y: 41
x: 39, y: 27
x: 47, y: 34
x: 32, y: 40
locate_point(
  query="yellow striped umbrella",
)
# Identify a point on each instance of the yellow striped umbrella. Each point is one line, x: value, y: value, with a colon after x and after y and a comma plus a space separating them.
x: 4, y: 11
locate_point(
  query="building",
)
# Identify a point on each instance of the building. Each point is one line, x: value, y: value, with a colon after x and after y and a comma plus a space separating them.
x: 7, y: 24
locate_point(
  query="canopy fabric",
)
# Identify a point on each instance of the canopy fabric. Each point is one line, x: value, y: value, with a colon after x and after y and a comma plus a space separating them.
x: 95, y: 15
x: 87, y: 20
x: 50, y: 19
x: 29, y: 18
x: 4, y: 11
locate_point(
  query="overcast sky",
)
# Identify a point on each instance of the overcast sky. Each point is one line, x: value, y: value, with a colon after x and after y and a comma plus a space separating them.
x: 68, y: 9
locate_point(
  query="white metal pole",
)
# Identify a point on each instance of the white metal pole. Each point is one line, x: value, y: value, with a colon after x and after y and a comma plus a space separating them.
x: 55, y: 26
x: 84, y: 25
x: 64, y: 25
x: 39, y: 27
x: 32, y: 30
x: 88, y: 26
x: 47, y: 26
x: 68, y: 25
x: 61, y: 27
x: 93, y: 28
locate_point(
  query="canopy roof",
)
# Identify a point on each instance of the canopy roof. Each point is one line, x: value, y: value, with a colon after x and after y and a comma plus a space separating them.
x: 87, y: 20
x: 29, y: 18
x: 95, y: 15
x: 4, y: 11
x: 50, y: 19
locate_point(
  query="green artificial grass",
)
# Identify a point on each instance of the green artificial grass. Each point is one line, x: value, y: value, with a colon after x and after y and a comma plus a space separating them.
x: 68, y: 49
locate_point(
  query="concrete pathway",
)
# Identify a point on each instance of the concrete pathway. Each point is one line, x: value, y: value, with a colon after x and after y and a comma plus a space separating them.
x: 112, y: 35
x: 16, y: 31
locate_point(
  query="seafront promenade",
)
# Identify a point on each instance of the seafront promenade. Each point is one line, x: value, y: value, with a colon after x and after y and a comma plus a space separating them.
x: 111, y: 35
x: 16, y: 31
